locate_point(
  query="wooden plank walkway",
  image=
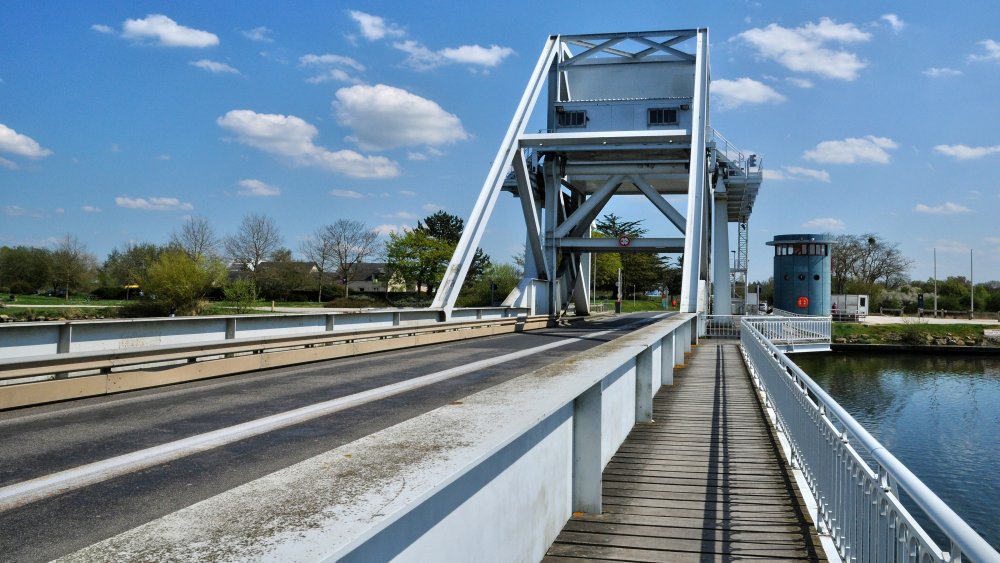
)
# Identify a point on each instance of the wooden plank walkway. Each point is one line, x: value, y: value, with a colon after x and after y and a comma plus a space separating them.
x: 705, y: 482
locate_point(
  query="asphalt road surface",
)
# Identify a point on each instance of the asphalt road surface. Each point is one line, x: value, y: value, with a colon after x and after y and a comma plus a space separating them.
x: 47, y: 444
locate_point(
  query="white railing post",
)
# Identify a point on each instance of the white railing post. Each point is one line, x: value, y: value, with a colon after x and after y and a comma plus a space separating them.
x: 587, y: 466
x: 644, y: 386
x: 667, y: 359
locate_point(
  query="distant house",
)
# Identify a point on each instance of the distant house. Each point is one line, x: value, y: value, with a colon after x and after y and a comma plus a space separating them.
x: 374, y: 277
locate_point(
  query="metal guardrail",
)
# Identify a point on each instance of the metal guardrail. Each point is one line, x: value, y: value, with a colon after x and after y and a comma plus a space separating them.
x: 788, y: 332
x: 857, y: 501
x: 61, y: 337
x: 53, y: 377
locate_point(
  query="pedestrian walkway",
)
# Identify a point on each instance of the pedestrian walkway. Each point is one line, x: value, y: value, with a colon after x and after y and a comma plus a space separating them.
x: 705, y: 482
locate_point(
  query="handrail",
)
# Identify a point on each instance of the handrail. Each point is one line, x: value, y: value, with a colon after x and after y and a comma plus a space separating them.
x: 799, y: 402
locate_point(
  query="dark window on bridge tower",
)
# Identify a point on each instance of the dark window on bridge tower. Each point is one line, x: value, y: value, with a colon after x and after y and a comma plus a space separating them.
x: 662, y: 116
x: 572, y: 118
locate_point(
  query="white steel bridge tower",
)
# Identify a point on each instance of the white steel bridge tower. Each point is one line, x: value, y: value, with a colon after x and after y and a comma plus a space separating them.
x: 627, y: 115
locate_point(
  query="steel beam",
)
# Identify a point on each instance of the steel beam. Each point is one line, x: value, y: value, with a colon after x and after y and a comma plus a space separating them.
x: 691, y: 272
x: 663, y: 205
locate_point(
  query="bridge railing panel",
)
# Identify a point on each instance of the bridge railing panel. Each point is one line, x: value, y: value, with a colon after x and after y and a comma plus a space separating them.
x: 853, y: 479
x: 524, y: 455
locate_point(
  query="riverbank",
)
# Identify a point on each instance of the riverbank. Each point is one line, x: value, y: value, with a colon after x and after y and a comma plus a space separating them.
x: 916, y: 333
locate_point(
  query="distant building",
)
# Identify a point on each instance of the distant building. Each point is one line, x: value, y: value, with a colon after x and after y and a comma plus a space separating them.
x: 802, y: 273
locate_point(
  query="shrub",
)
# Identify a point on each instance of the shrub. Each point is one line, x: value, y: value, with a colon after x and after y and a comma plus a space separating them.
x: 241, y: 295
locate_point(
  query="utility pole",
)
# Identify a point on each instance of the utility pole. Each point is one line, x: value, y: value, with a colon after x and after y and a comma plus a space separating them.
x: 935, y: 282
x: 972, y: 288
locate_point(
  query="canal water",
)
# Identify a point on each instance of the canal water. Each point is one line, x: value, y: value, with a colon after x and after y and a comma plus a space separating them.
x: 938, y: 414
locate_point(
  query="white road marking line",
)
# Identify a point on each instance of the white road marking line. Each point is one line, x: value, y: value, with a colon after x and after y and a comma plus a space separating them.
x: 32, y: 490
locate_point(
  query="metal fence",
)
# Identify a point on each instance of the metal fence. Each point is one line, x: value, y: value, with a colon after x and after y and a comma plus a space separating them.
x: 854, y: 480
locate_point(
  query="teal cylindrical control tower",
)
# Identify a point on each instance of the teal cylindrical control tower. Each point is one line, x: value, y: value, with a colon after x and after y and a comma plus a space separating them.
x: 802, y: 273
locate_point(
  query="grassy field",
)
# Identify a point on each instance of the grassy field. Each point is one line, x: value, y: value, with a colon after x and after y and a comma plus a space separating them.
x: 637, y: 306
x: 59, y: 301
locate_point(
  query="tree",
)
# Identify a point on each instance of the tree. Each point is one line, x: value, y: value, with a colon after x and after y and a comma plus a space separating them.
x: 25, y: 269
x: 867, y: 259
x: 282, y: 275
x: 318, y: 249
x: 351, y: 242
x: 447, y: 227
x: 640, y: 272
x: 129, y: 266
x: 196, y: 237
x: 255, y: 240
x: 496, y: 283
x: 72, y: 265
x: 418, y: 257
x: 180, y: 281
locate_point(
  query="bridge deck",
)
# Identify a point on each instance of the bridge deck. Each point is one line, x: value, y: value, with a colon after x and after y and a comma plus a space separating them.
x: 705, y: 482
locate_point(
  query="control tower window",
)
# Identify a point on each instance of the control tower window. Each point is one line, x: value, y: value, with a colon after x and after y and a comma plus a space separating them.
x: 572, y: 118
x: 662, y: 116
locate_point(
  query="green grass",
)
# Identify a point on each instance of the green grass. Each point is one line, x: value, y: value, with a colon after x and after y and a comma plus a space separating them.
x: 637, y: 306
x: 62, y: 301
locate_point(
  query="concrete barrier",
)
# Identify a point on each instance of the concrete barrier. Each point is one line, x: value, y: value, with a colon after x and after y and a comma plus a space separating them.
x: 493, y: 477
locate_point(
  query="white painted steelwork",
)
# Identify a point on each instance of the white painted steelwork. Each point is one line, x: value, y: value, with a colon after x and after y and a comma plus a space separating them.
x: 853, y: 480
x: 627, y: 114
x: 493, y: 476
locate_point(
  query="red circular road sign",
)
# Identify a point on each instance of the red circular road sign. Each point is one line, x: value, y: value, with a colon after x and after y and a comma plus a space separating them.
x: 802, y: 302
x: 624, y: 241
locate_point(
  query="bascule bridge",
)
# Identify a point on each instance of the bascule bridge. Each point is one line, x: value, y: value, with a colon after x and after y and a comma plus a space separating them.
x: 627, y: 114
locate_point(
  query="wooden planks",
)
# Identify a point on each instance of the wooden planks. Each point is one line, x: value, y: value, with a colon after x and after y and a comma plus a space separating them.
x: 704, y: 482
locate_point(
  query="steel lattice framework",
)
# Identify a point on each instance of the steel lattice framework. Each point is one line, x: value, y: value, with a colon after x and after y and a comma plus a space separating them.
x: 627, y: 115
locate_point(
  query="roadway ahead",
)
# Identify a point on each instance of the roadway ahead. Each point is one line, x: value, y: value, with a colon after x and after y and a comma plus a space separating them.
x: 60, y: 517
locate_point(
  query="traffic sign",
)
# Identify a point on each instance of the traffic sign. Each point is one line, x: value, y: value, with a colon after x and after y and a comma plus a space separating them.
x: 624, y: 240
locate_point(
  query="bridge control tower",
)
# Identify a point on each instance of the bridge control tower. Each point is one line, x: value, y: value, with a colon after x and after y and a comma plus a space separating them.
x: 627, y: 115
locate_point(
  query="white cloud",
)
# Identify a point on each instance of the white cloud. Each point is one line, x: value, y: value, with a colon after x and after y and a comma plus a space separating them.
x: 936, y: 72
x: 430, y: 207
x: 214, y: 67
x: 22, y: 145
x: 347, y: 194
x: 334, y: 75
x: 60, y: 210
x: 951, y: 246
x: 385, y: 117
x: 894, y: 22
x: 407, y: 193
x: 292, y: 137
x: 992, y: 51
x: 386, y: 229
x: 743, y: 91
x: 334, y: 68
x: 13, y: 210
x: 260, y: 34
x: 101, y: 28
x: 804, y: 49
x: 946, y: 208
x: 163, y: 156
x: 420, y: 57
x: 799, y: 82
x: 965, y: 152
x: 828, y: 223
x: 115, y: 148
x: 400, y: 215
x: 852, y: 150
x: 253, y: 187
x: 9, y: 164
x: 153, y: 203
x: 330, y: 59
x: 798, y: 172
x: 476, y: 55
x: 416, y: 156
x: 91, y: 209
x: 167, y: 33
x: 374, y: 28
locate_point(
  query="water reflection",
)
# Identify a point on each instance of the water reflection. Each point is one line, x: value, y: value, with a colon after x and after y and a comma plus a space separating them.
x: 940, y: 415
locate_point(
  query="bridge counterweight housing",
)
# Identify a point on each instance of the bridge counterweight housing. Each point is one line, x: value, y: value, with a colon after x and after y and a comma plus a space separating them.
x: 627, y: 115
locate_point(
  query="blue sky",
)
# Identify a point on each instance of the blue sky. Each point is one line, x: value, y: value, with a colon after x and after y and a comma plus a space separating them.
x: 120, y: 119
